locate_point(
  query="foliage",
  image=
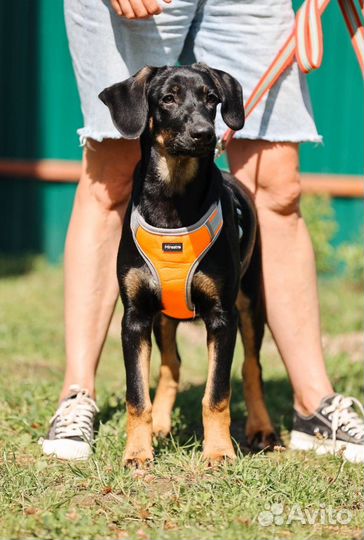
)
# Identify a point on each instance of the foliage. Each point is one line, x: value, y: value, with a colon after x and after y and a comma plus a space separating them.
x: 346, y: 259
x: 320, y: 220
x: 351, y: 256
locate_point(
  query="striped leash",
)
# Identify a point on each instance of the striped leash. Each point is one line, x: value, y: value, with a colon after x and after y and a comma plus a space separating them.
x: 305, y: 44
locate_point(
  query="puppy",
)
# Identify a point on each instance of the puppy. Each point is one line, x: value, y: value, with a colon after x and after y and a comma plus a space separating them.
x: 189, y: 248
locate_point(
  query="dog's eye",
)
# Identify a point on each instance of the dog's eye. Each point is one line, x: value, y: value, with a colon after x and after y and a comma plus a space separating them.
x: 212, y: 99
x: 168, y: 98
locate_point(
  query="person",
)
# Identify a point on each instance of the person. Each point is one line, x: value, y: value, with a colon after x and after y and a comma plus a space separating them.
x: 109, y: 41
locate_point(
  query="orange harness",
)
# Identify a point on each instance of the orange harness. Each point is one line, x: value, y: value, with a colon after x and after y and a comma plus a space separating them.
x: 173, y: 255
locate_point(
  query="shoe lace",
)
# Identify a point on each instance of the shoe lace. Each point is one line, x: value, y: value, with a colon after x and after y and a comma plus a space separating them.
x: 345, y: 417
x: 75, y: 415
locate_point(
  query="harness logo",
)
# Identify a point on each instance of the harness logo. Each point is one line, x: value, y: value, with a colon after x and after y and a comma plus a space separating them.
x: 172, y: 247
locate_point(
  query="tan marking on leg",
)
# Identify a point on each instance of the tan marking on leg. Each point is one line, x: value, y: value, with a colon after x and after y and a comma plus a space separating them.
x: 258, y: 417
x: 207, y: 285
x: 168, y: 381
x: 216, y: 419
x: 135, y: 279
x: 139, y: 423
x: 151, y: 123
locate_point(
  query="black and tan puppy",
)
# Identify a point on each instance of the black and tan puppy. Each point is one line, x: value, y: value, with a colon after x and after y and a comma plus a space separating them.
x: 178, y: 191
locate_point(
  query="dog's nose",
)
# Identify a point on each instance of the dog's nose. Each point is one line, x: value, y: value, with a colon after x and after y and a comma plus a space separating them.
x: 202, y: 133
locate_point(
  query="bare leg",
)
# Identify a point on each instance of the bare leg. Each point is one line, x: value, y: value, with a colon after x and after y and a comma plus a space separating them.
x: 270, y: 170
x: 91, y: 287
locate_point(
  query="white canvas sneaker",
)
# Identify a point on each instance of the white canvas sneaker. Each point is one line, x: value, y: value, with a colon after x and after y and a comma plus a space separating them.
x: 334, y: 428
x: 71, y: 430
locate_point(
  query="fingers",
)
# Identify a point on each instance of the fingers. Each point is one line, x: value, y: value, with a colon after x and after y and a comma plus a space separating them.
x: 116, y: 7
x: 153, y: 7
x: 132, y: 9
x: 136, y: 9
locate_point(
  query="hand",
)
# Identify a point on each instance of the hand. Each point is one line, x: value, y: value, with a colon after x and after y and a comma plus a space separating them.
x: 137, y: 9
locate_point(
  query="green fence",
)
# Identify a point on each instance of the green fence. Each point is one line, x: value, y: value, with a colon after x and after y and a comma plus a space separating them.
x: 41, y: 112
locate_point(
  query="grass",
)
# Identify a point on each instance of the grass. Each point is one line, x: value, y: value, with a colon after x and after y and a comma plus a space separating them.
x: 179, y: 498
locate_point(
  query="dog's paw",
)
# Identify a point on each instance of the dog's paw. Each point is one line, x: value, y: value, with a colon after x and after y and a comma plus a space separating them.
x: 264, y: 440
x: 162, y: 425
x: 138, y: 458
x: 217, y: 456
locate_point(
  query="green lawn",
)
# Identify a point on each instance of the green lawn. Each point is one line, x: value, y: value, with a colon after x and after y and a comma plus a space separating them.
x: 178, y: 498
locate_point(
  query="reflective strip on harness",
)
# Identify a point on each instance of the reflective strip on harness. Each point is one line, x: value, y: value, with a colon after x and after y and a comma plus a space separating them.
x: 174, y: 254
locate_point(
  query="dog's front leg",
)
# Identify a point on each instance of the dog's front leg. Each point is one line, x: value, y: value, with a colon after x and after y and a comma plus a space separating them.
x: 221, y: 337
x: 165, y: 333
x: 136, y: 338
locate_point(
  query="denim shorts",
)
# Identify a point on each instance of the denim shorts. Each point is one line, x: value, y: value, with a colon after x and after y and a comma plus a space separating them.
x: 238, y: 36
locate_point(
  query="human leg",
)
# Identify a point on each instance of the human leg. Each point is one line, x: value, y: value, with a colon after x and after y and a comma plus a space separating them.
x: 94, y: 232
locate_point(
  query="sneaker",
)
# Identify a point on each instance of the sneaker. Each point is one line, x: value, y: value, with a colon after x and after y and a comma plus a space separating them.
x: 334, y: 428
x: 71, y: 433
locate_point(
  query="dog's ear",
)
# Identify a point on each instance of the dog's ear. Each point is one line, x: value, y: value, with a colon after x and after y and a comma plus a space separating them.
x: 128, y: 102
x: 231, y: 95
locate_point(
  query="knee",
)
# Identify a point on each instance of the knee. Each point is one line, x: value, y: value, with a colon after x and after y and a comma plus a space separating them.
x: 108, y: 173
x: 281, y: 191
x: 277, y: 179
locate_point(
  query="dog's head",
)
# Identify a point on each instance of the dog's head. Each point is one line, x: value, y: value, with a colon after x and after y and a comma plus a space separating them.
x: 177, y: 105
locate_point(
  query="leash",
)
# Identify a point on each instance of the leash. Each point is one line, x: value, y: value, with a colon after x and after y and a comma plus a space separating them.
x: 305, y: 44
